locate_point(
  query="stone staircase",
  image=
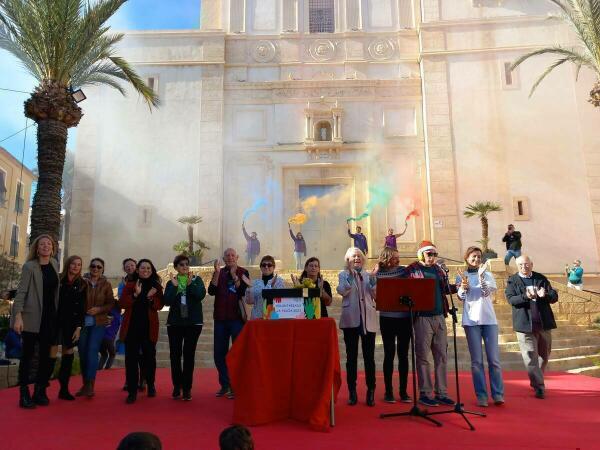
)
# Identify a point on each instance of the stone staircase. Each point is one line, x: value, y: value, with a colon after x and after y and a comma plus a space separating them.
x: 575, y: 348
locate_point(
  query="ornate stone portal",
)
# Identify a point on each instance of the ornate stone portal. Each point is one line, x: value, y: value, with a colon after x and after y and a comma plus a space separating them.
x: 323, y: 130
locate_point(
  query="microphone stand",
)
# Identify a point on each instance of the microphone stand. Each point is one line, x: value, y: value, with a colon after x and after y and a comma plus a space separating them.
x: 458, y: 406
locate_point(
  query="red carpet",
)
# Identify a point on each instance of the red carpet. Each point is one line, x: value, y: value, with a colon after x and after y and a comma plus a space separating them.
x: 569, y: 418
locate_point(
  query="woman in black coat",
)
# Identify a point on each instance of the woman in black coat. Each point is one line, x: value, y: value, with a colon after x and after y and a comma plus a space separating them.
x: 71, y: 313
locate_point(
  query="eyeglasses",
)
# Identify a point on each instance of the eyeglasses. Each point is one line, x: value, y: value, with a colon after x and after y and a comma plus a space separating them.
x: 95, y: 266
x: 267, y: 265
x: 430, y: 254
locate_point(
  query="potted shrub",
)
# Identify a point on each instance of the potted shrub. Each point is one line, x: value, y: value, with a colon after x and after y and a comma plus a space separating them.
x: 187, y: 247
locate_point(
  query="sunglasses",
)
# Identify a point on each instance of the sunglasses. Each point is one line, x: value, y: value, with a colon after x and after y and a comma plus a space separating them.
x: 267, y: 265
x: 430, y: 254
x: 95, y: 266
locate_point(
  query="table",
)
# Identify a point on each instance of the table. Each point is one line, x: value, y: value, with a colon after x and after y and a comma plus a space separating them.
x: 282, y: 369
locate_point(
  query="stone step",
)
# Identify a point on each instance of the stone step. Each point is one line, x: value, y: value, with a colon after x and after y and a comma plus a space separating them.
x: 592, y: 371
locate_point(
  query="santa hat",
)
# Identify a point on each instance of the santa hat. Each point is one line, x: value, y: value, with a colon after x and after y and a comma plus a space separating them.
x: 425, y: 246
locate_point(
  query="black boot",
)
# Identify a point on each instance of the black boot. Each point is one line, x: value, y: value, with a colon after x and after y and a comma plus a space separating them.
x: 25, y: 400
x: 50, y: 372
x: 109, y: 362
x: 370, y: 397
x: 352, y: 397
x: 64, y: 374
x: 39, y: 395
x: 102, y: 362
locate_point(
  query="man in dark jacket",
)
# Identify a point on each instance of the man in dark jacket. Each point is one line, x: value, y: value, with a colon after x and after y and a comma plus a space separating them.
x: 512, y: 238
x: 530, y: 295
x: 228, y: 288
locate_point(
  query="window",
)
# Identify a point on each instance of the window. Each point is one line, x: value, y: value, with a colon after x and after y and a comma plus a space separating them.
x: 14, y: 241
x: 320, y: 16
x: 145, y: 216
x: 152, y: 83
x: 2, y: 187
x: 510, y: 78
x: 521, y: 208
x: 19, y: 198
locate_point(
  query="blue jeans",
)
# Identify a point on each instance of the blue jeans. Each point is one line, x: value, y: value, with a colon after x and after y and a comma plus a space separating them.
x: 89, y: 347
x: 224, y: 330
x: 489, y: 335
x: 510, y: 254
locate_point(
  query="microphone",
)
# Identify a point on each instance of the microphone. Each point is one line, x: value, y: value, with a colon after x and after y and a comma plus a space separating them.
x: 442, y: 265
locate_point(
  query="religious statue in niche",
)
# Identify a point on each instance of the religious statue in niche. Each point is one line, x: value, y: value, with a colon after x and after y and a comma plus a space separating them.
x: 323, y: 131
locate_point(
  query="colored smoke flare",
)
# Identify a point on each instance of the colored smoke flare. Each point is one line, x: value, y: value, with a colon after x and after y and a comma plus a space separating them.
x: 307, y: 206
x: 380, y: 196
x: 298, y: 219
x: 254, y: 208
x: 413, y: 213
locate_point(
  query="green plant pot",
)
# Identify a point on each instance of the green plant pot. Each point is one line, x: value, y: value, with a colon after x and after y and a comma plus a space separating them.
x: 490, y: 254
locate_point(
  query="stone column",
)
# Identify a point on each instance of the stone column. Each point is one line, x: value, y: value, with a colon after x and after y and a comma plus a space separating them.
x: 237, y: 16
x: 353, y: 15
x: 211, y: 12
x: 290, y: 15
x: 405, y: 10
x: 442, y: 175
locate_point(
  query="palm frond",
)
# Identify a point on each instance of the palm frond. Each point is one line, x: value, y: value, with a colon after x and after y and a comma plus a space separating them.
x: 68, y: 42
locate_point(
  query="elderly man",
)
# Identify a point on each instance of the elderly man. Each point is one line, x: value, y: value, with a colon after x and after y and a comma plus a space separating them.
x: 430, y: 328
x: 360, y: 240
x: 228, y: 288
x: 252, y: 246
x: 530, y: 295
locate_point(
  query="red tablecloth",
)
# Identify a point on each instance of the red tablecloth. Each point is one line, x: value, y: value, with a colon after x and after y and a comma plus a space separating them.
x: 283, y: 369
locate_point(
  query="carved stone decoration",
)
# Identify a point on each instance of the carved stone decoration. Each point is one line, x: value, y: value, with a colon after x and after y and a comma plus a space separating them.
x: 382, y: 48
x: 263, y: 51
x: 322, y: 50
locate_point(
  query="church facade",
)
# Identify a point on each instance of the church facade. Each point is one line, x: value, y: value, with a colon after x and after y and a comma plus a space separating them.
x: 378, y: 106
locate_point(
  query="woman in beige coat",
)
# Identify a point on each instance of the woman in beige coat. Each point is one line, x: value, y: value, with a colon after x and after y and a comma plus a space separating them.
x: 358, y: 321
x: 34, y: 317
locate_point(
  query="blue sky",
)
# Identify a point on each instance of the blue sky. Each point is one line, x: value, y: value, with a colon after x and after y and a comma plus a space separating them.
x: 134, y: 15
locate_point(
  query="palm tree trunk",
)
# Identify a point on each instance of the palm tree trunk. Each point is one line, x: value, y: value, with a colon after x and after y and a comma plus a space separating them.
x: 484, y: 232
x: 190, y: 230
x: 45, y: 209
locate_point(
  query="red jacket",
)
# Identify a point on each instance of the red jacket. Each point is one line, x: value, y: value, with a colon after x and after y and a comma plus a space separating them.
x: 126, y: 303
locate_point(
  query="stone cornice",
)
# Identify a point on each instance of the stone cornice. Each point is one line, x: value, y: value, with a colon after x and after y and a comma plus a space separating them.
x: 508, y: 20
x: 305, y: 84
x: 514, y: 48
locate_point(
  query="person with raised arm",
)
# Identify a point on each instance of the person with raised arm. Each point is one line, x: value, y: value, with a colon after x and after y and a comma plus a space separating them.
x: 299, y: 247
x: 252, y: 245
x: 34, y: 317
x: 360, y: 240
x: 358, y: 321
x: 390, y: 239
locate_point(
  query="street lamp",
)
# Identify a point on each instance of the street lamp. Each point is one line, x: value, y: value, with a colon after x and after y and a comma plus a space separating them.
x: 77, y: 95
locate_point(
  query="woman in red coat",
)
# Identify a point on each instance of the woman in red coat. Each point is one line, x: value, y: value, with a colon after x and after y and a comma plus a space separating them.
x: 142, y: 298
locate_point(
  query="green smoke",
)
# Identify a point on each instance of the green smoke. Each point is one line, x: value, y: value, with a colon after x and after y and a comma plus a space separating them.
x: 380, y: 195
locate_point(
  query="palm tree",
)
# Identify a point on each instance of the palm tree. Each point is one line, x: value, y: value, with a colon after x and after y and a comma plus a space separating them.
x: 190, y: 221
x: 583, y: 16
x: 481, y: 210
x: 62, y: 43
